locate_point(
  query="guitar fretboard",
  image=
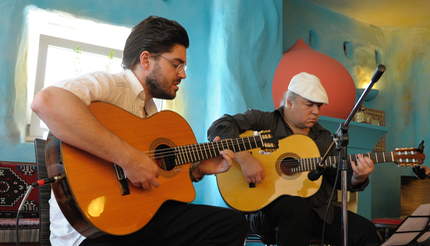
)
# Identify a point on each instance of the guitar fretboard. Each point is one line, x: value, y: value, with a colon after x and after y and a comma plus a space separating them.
x: 407, y: 156
x: 197, y: 152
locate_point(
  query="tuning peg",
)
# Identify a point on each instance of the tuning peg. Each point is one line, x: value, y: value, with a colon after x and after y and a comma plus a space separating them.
x: 403, y: 148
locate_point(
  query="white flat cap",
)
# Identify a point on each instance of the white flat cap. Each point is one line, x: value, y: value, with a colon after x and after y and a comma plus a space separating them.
x: 309, y: 87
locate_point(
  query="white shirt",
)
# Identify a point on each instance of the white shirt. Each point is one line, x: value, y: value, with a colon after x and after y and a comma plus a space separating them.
x: 123, y: 90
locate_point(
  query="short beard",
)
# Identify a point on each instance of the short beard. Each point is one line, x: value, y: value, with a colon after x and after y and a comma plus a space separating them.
x: 154, y: 87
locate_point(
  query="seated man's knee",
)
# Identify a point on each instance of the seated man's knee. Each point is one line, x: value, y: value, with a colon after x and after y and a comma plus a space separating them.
x: 293, y: 206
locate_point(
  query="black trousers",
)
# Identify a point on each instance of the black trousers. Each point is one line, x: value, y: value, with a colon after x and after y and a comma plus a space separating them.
x: 291, y: 220
x: 177, y: 223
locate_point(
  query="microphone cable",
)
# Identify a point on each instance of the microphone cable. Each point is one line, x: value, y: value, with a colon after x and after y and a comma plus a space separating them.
x: 40, y: 182
x: 329, y: 204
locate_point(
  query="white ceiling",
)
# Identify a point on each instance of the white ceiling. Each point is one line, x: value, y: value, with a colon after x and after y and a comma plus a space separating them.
x: 382, y: 13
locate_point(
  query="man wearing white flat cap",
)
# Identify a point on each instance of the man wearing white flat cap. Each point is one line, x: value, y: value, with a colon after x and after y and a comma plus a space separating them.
x: 292, y: 220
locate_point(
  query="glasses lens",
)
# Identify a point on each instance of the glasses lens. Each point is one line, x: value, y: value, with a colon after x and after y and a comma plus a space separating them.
x: 181, y: 67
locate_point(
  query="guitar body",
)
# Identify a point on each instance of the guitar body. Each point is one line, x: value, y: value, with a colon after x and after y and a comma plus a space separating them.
x: 287, y: 172
x: 91, y: 197
x: 238, y: 194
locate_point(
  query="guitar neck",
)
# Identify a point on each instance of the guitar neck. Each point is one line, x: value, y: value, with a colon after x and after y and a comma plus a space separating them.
x: 197, y: 152
x: 308, y: 164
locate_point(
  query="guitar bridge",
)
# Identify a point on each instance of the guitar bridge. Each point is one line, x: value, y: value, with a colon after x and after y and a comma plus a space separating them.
x: 251, y: 185
x: 122, y: 180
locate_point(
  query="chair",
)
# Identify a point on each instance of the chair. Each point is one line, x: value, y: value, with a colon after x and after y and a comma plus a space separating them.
x: 413, y: 192
x: 255, y: 238
x: 252, y: 237
x: 352, y: 200
x: 270, y: 241
x: 386, y: 226
x: 44, y: 192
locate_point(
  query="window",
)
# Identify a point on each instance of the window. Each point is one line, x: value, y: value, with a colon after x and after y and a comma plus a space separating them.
x: 62, y: 46
x: 60, y: 59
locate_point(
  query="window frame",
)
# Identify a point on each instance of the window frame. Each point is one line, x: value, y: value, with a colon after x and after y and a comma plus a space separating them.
x: 34, y: 130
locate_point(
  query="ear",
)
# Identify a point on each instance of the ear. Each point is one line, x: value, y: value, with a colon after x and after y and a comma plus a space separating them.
x: 144, y: 59
x: 289, y: 104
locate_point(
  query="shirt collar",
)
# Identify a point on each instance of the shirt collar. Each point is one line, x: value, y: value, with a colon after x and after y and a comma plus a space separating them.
x: 138, y: 93
x: 136, y: 86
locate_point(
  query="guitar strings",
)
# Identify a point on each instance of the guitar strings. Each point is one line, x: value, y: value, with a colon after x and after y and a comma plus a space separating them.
x: 203, y: 151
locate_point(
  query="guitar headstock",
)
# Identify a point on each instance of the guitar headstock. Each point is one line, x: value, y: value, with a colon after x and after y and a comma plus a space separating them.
x: 409, y: 156
x: 269, y: 142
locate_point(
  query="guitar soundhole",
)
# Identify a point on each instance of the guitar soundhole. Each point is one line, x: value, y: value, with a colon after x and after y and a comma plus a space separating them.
x: 165, y: 157
x: 287, y: 165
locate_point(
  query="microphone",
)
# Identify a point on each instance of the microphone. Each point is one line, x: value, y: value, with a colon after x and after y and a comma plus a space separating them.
x: 42, y: 182
x: 316, y: 173
x: 378, y: 73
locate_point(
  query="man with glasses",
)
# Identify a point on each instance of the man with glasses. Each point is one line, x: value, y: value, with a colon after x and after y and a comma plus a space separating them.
x: 154, y: 63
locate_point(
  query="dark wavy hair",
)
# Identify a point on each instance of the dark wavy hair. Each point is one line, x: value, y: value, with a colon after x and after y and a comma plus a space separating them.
x: 154, y: 34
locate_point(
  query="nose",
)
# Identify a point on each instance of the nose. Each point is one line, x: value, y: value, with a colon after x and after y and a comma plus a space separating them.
x: 182, y: 74
x: 316, y: 109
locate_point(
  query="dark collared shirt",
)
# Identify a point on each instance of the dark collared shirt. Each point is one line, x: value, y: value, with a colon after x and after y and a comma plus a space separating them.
x: 232, y: 126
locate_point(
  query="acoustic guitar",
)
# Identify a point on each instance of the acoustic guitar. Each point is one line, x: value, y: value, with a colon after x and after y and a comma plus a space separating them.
x: 287, y: 171
x: 96, y: 197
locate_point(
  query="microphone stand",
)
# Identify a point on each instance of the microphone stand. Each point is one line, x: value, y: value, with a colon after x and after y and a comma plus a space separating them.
x: 341, y: 139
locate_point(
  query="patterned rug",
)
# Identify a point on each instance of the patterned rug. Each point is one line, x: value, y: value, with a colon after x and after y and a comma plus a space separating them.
x: 15, y: 178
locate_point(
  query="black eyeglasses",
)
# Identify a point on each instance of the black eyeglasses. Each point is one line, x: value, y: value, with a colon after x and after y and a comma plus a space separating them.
x: 179, y: 67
